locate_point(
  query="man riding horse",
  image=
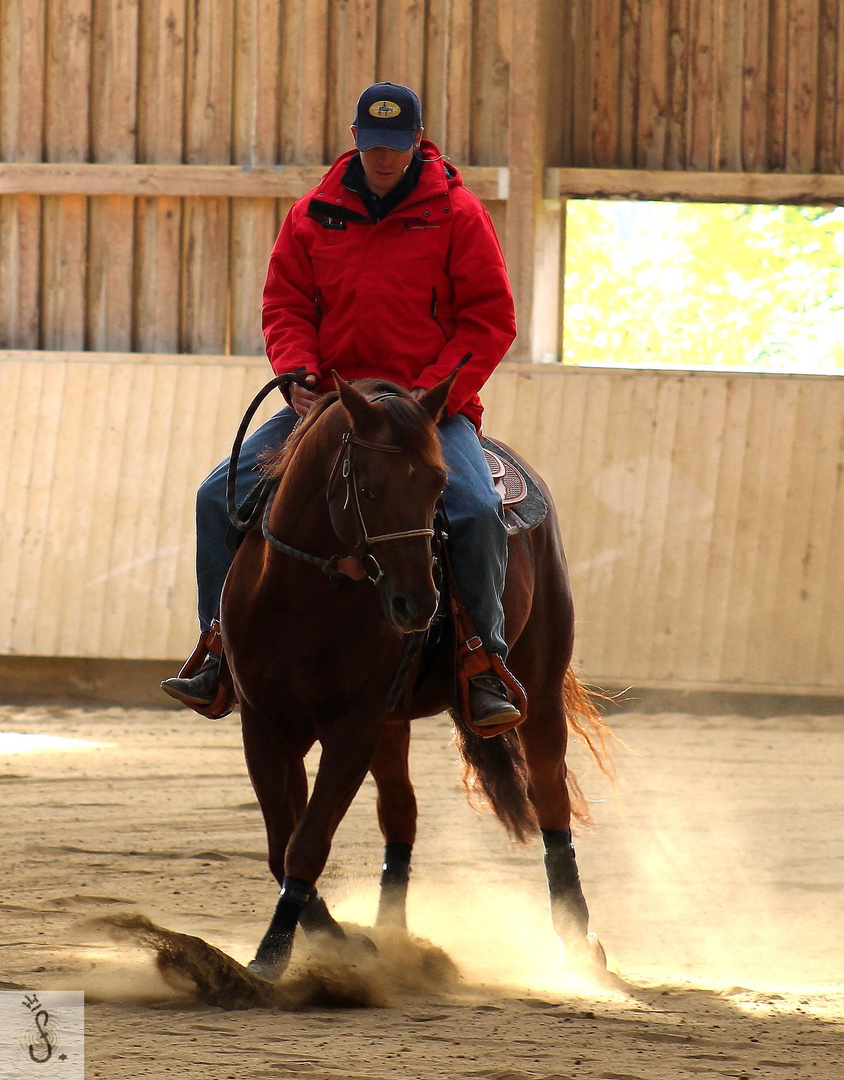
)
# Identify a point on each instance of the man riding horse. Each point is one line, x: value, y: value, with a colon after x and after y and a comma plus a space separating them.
x: 389, y: 269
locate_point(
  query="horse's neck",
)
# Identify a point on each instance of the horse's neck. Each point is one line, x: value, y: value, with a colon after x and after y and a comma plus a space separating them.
x: 300, y: 506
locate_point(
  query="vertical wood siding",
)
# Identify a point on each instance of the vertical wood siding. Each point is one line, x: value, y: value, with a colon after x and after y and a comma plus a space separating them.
x: 741, y: 85
x: 104, y: 454
x: 750, y: 85
x: 701, y: 516
x: 250, y: 82
x: 700, y: 512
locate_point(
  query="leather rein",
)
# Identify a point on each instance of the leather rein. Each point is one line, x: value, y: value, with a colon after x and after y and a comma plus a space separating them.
x: 360, y: 566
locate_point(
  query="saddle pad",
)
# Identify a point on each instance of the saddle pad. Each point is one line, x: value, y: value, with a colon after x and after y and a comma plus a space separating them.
x: 524, y: 503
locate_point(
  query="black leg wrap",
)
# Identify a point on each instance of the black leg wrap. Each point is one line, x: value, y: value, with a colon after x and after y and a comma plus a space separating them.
x: 273, y: 954
x: 569, y: 912
x: 395, y: 875
x: 395, y: 870
x: 317, y: 919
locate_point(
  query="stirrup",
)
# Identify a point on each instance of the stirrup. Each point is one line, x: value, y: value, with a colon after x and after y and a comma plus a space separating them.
x: 210, y: 642
x: 489, y: 704
x: 199, y: 689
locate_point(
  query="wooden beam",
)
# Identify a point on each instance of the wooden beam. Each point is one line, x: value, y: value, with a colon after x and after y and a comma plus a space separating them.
x: 792, y: 188
x: 489, y: 183
x: 63, y: 356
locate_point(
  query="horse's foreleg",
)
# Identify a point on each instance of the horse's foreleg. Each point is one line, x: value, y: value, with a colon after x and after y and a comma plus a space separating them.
x: 548, y: 792
x: 347, y: 754
x: 299, y: 902
x: 344, y: 762
x: 277, y: 771
x: 397, y: 818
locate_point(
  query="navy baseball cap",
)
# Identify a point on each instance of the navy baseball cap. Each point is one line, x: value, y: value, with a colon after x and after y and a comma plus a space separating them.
x: 387, y: 114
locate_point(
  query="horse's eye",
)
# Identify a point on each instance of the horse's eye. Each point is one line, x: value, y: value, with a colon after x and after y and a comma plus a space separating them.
x: 368, y: 493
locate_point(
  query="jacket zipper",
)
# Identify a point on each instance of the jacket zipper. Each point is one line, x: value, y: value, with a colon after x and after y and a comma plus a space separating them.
x: 434, y: 305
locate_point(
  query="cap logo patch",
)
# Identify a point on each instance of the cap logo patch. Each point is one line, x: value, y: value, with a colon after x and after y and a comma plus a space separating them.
x: 384, y: 110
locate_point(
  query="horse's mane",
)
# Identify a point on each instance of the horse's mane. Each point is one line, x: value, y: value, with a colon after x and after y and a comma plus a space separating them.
x: 410, y: 426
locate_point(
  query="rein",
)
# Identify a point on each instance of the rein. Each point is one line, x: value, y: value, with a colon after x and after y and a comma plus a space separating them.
x: 362, y: 565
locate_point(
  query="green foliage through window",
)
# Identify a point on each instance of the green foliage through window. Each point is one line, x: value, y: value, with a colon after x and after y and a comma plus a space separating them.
x: 705, y: 285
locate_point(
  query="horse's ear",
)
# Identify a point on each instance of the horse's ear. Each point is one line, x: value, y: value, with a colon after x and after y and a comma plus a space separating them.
x: 355, y: 404
x: 434, y: 400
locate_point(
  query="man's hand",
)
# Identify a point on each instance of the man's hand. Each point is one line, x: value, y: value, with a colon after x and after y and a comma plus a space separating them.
x: 303, y: 397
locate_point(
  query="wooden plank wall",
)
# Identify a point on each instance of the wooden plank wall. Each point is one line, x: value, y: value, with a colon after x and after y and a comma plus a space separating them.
x: 173, y: 82
x: 104, y: 454
x: 712, y: 85
x: 700, y: 511
x: 701, y: 515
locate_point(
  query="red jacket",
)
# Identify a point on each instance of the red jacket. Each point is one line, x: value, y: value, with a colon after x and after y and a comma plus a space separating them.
x: 404, y: 299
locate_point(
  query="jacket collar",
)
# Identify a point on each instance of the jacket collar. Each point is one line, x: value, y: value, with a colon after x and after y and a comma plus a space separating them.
x: 436, y: 179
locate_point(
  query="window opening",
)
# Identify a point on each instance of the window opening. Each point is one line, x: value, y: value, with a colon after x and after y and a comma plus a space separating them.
x: 703, y: 285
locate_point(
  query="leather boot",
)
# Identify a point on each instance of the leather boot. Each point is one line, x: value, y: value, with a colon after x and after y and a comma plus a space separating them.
x: 488, y: 701
x: 200, y: 689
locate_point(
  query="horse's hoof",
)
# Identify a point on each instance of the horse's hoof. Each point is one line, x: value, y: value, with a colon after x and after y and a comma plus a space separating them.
x: 585, y: 957
x: 363, y: 943
x: 272, y: 956
x: 598, y: 958
x: 268, y: 971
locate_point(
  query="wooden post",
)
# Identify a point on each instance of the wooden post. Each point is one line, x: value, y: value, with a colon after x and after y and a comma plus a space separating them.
x: 534, y: 226
x: 161, y: 101
x: 22, y: 48
x: 255, y: 137
x: 64, y: 221
x: 111, y: 225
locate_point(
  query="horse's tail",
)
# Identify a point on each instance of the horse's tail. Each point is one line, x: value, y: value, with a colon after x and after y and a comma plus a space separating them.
x: 586, y: 724
x: 495, y: 773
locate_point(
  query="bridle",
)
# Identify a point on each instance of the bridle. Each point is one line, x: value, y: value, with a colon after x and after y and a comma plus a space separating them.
x: 344, y: 471
x: 362, y: 565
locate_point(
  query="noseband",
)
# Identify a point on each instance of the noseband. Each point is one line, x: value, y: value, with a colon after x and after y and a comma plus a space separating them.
x: 344, y: 468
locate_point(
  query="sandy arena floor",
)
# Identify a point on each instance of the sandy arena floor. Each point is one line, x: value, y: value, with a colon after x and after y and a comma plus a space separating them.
x: 714, y: 878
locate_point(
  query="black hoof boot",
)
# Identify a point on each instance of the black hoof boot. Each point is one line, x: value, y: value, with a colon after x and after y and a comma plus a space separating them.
x: 201, y: 689
x: 317, y: 919
x: 395, y: 876
x: 273, y: 954
x: 569, y: 912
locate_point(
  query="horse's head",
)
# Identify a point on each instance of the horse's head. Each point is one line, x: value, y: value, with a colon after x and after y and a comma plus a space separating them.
x: 384, y: 492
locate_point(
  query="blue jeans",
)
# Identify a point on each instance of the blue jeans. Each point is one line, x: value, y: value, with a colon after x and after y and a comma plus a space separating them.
x: 476, y: 529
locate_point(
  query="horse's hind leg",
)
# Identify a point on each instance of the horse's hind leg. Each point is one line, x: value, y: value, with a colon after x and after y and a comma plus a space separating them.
x: 544, y: 740
x: 397, y: 818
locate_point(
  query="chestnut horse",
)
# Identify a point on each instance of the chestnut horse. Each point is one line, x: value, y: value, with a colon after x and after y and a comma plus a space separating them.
x: 314, y: 649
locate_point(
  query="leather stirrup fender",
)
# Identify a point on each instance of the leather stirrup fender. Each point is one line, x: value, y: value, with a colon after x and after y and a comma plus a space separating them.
x: 472, y: 659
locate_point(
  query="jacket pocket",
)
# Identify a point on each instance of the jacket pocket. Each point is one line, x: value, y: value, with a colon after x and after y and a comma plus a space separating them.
x: 434, y: 306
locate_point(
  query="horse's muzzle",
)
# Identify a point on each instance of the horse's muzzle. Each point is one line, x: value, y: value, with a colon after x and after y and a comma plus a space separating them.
x: 410, y: 614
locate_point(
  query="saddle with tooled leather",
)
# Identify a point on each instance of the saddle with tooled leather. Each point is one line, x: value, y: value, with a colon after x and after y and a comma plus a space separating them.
x: 524, y: 504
